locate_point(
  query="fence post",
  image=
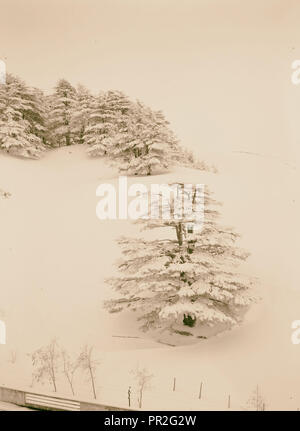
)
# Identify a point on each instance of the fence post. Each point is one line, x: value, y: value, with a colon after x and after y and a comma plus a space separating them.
x: 200, y: 391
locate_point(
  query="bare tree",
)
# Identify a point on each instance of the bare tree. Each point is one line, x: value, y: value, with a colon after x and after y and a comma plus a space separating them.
x: 89, y: 364
x: 143, y: 379
x: 69, y: 368
x: 45, y: 361
x: 256, y: 400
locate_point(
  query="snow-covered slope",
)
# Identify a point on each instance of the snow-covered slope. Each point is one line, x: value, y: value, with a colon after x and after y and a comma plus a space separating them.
x: 55, y: 255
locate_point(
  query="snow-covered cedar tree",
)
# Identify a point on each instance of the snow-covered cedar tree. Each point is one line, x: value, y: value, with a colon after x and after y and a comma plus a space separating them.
x: 108, y: 116
x: 191, y: 278
x: 145, y: 145
x: 62, y: 104
x: 81, y: 113
x: 22, y: 128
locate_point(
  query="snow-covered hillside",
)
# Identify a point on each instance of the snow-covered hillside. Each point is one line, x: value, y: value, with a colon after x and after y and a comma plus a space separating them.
x: 55, y: 255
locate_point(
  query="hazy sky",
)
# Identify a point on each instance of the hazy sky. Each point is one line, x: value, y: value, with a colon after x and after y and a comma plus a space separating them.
x: 219, y: 69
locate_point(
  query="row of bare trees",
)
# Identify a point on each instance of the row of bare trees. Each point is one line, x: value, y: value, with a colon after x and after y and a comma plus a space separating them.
x: 49, y: 360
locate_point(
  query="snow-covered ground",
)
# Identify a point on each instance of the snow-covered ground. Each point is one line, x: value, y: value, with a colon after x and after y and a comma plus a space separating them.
x: 55, y: 255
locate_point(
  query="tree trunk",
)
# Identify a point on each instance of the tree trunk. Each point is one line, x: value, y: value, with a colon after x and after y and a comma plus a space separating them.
x: 71, y: 384
x: 54, y: 383
x: 179, y: 234
x: 141, y: 398
x: 93, y: 383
